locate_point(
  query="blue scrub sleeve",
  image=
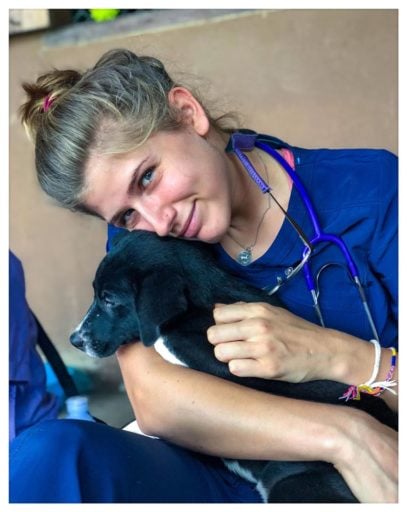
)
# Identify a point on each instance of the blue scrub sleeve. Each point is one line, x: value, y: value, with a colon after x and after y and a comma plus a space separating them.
x: 29, y: 400
x: 112, y: 231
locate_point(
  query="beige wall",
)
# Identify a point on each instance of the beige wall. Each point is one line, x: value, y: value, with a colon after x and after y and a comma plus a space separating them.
x: 314, y: 77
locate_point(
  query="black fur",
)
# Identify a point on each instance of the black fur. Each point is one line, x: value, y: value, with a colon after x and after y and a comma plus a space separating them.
x: 147, y: 287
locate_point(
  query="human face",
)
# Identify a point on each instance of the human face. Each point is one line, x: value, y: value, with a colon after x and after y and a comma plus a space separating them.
x: 177, y: 183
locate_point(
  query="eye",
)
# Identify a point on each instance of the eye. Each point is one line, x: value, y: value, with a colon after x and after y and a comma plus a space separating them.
x: 147, y: 177
x: 108, y: 299
x: 127, y: 216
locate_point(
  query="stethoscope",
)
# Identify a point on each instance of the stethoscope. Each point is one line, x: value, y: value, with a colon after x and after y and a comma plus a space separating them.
x: 246, y: 141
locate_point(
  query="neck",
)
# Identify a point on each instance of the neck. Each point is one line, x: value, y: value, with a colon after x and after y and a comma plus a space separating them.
x: 256, y: 219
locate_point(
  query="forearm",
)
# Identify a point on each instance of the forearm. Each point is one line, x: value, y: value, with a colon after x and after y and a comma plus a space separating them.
x: 217, y: 417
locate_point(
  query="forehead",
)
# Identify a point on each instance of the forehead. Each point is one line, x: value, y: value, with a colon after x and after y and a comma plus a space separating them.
x: 113, y: 274
x: 100, y: 164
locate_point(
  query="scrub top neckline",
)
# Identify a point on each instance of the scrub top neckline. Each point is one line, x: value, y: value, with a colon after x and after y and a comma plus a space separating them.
x: 287, y: 246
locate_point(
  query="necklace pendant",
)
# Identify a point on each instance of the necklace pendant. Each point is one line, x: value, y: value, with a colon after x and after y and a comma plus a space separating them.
x: 244, y: 257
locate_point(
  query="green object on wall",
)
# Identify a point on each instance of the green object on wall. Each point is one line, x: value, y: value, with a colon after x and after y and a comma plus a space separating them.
x: 101, y: 15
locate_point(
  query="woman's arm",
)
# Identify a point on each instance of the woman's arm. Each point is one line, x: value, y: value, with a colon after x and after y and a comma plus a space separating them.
x: 214, y: 416
x: 275, y: 344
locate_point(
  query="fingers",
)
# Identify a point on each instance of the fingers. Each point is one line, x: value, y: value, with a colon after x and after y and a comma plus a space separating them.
x: 243, y: 358
x: 245, y: 368
x: 240, y: 321
x: 226, y: 313
x: 250, y: 330
x: 225, y: 352
x: 241, y: 336
x: 228, y: 326
x: 228, y: 332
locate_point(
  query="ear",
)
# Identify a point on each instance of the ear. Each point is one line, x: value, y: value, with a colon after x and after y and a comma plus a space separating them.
x: 192, y: 112
x: 161, y: 299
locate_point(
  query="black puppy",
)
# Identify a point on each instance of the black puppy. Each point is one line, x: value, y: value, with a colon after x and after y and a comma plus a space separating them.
x: 162, y: 291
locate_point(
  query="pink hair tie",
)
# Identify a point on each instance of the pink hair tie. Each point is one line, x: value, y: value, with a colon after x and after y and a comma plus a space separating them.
x: 47, y: 103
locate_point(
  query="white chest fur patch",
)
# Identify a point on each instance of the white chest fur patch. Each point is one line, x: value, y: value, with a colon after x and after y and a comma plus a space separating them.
x: 165, y: 353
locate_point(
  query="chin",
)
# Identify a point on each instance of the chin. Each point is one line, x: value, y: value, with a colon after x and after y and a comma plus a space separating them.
x: 217, y: 236
x: 209, y: 238
x: 211, y: 234
x: 215, y: 240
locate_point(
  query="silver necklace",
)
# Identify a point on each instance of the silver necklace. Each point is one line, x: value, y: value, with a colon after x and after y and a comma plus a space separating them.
x: 245, y: 257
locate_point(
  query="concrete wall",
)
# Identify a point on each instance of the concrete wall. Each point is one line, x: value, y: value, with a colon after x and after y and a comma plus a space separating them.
x: 317, y: 78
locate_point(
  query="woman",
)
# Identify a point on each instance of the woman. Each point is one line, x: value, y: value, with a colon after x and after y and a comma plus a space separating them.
x: 125, y: 143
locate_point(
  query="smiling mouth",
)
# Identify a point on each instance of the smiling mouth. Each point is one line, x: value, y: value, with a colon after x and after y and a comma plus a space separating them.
x: 188, y: 222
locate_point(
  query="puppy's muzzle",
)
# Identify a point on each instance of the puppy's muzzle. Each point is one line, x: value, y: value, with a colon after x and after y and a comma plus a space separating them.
x: 78, y: 340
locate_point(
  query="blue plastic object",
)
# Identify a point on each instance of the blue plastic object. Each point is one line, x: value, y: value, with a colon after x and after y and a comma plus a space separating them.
x: 77, y: 408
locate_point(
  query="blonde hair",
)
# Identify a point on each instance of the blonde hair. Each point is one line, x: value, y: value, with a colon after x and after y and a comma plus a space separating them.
x: 111, y: 108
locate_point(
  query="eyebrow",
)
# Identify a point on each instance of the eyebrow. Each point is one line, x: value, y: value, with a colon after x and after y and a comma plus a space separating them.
x: 136, y: 171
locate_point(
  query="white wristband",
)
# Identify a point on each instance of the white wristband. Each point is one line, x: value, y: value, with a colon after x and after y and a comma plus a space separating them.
x: 378, y: 350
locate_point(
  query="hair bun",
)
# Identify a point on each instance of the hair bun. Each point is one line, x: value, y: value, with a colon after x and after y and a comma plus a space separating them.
x: 44, y: 94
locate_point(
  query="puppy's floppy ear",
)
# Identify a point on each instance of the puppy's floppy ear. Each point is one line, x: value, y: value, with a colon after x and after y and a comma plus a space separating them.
x: 161, y: 298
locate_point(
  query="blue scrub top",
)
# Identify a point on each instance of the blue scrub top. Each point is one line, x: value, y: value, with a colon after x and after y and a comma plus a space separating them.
x: 355, y: 193
x: 29, y: 400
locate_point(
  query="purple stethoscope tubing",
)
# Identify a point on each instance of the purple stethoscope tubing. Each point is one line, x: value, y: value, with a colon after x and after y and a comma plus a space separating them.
x: 320, y: 236
x: 241, y: 142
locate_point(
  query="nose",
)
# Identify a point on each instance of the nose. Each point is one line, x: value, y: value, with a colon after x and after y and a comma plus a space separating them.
x: 157, y: 218
x: 77, y: 339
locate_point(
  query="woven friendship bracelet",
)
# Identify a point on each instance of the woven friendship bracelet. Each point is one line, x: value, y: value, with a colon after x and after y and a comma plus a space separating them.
x: 388, y: 383
x: 373, y: 387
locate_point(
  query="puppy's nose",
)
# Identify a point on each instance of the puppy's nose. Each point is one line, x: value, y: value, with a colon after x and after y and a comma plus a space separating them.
x: 76, y: 339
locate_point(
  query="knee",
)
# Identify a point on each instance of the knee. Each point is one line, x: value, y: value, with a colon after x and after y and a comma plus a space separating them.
x: 47, y: 436
x: 49, y: 451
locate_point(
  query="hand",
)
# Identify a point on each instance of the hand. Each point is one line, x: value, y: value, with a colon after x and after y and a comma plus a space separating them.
x: 260, y: 340
x: 367, y: 458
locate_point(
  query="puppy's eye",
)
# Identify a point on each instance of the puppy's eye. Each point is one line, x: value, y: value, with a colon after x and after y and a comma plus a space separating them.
x: 108, y: 299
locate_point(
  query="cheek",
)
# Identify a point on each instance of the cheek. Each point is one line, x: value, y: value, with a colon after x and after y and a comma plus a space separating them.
x: 216, y: 227
x: 178, y: 185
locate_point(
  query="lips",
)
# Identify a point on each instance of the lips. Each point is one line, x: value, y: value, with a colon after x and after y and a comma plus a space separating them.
x: 191, y: 227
